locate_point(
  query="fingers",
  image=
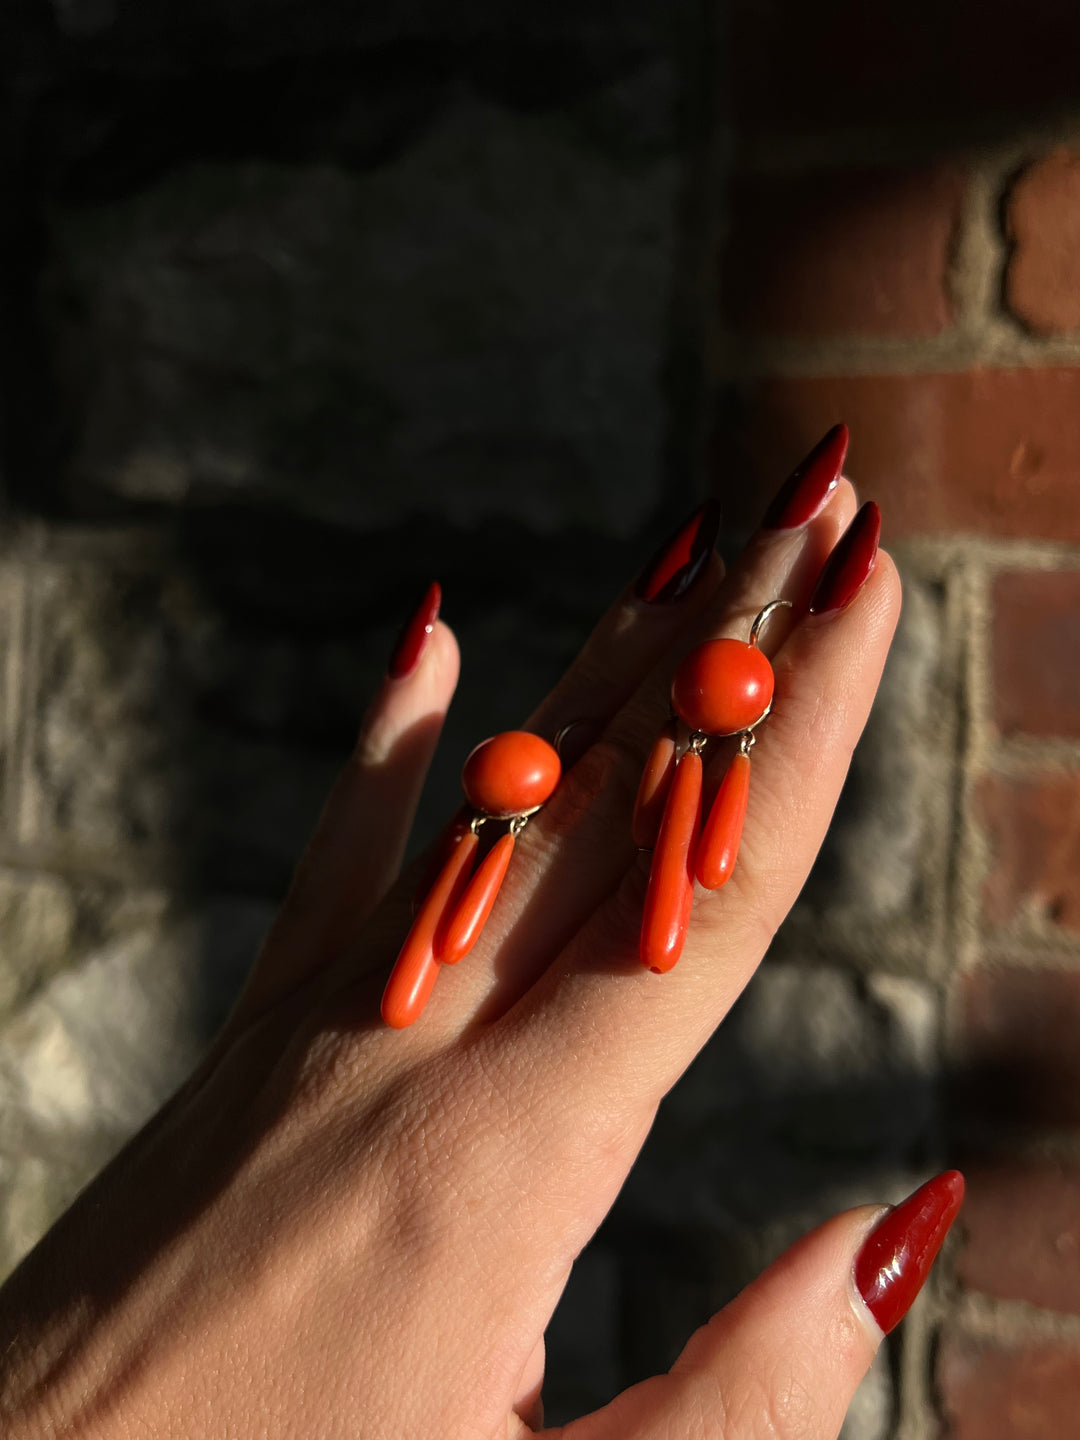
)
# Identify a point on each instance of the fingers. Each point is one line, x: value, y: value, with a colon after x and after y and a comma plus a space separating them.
x: 356, y: 851
x: 578, y: 850
x: 649, y: 1026
x: 785, y: 1357
x: 635, y: 633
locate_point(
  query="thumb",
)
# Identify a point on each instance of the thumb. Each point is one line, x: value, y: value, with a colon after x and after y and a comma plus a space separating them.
x: 783, y: 1360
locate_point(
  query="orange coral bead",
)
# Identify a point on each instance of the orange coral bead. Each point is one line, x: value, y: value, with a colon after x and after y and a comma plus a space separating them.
x: 652, y: 792
x: 416, y: 968
x: 511, y: 773
x: 441, y: 851
x: 719, y: 844
x: 722, y: 687
x: 461, y: 928
x: 671, y: 878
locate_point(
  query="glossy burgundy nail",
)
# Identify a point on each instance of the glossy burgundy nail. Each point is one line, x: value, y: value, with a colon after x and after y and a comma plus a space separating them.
x: 412, y: 642
x: 680, y: 560
x: 892, y: 1266
x: 851, y: 561
x: 805, y: 490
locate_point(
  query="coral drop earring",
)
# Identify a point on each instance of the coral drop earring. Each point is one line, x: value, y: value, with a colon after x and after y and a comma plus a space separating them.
x: 723, y: 687
x: 508, y: 777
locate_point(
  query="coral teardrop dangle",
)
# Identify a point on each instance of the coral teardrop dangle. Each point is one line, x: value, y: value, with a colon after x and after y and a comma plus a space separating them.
x: 653, y: 790
x: 722, y: 687
x: 506, y: 778
x: 461, y: 927
x: 719, y: 844
x: 671, y: 878
x: 416, y: 968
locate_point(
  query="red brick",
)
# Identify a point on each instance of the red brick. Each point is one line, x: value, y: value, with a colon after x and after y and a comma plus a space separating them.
x: 1020, y: 1057
x: 1042, y: 282
x: 991, y: 1391
x: 1033, y: 827
x: 841, y: 252
x: 844, y: 62
x: 1021, y: 1224
x: 1035, y: 645
x: 983, y: 452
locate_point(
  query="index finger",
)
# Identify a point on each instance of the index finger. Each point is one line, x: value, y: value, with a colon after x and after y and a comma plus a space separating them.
x: 644, y: 1029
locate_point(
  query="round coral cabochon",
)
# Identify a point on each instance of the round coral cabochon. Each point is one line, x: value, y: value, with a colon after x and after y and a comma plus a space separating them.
x: 722, y: 687
x: 511, y: 773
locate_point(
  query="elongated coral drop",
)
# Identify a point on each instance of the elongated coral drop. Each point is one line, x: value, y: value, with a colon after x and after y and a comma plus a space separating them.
x: 415, y: 970
x: 671, y: 879
x: 653, y: 790
x: 719, y: 844
x: 441, y: 851
x: 461, y: 926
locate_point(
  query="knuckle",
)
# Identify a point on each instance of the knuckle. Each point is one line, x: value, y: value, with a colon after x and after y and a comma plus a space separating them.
x: 781, y: 1405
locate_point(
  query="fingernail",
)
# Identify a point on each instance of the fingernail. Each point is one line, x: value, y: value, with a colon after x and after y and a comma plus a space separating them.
x: 805, y: 490
x: 412, y: 642
x: 895, y: 1259
x: 680, y: 560
x: 851, y: 561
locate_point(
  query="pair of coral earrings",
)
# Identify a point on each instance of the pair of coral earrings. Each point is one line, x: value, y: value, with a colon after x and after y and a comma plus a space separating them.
x: 722, y: 688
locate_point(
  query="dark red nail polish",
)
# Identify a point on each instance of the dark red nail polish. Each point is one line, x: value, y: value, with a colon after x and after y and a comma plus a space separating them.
x: 851, y: 561
x: 896, y: 1256
x: 680, y: 560
x: 412, y: 642
x: 804, y: 491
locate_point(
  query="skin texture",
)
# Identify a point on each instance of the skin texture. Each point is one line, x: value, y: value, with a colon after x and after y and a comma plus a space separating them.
x: 337, y: 1229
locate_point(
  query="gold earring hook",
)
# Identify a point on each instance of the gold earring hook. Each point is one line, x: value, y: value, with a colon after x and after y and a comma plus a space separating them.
x: 763, y: 615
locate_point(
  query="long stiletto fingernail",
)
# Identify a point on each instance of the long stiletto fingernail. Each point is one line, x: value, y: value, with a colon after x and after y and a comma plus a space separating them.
x: 412, y: 642
x: 846, y: 570
x: 680, y: 560
x: 895, y: 1259
x: 807, y: 487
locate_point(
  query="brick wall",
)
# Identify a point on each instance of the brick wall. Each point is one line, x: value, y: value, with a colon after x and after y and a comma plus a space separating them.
x: 897, y: 243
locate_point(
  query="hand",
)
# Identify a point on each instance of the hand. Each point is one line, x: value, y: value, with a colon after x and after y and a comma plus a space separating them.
x: 337, y: 1229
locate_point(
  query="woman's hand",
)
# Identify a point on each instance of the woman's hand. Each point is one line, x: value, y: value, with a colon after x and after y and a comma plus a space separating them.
x: 337, y: 1229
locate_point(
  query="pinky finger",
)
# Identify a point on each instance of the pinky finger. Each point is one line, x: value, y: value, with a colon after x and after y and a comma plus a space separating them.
x: 785, y: 1357
x: 355, y: 854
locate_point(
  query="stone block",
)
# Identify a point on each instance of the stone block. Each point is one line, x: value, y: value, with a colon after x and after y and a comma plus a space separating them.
x: 116, y: 651
x: 13, y: 682
x: 39, y: 922
x: 474, y: 330
x: 133, y: 760
x: 98, y: 1049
